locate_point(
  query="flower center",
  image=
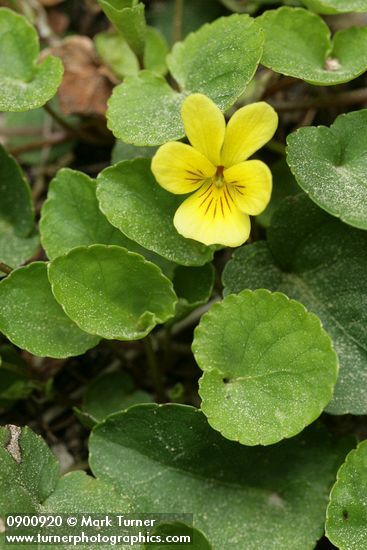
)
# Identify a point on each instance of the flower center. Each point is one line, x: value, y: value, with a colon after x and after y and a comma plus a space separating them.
x: 218, y: 178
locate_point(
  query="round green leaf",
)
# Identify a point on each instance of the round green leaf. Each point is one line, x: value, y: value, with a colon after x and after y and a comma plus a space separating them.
x: 132, y: 200
x: 24, y: 83
x: 346, y: 523
x: 18, y: 237
x: 330, y: 164
x: 321, y: 262
x: 167, y: 458
x: 31, y: 318
x: 336, y: 6
x: 193, y: 286
x: 219, y: 59
x: 269, y: 367
x: 112, y: 292
x: 298, y: 44
x: 144, y: 110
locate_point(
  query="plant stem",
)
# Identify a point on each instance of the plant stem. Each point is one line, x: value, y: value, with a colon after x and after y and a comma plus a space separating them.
x: 330, y: 100
x: 55, y: 139
x: 276, y: 147
x: 154, y: 368
x: 5, y: 268
x: 177, y: 21
x: 60, y: 121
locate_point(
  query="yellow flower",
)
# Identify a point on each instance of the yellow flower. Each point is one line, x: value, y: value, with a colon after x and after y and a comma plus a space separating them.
x: 228, y: 188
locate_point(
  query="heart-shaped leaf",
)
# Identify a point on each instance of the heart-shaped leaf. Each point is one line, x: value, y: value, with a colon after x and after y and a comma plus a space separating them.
x: 32, y: 319
x: 269, y: 367
x: 218, y: 60
x: 132, y: 200
x: 321, y: 262
x: 347, y: 513
x: 336, y: 6
x: 104, y: 290
x: 18, y: 237
x: 298, y: 44
x: 168, y: 458
x: 24, y: 83
x: 330, y: 164
x: 65, y: 225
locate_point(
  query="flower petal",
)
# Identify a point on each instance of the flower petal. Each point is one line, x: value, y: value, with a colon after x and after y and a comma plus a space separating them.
x: 248, y: 130
x: 250, y: 184
x: 204, y: 126
x: 179, y: 168
x: 211, y: 217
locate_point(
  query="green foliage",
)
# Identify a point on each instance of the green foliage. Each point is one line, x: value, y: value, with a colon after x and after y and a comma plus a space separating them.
x: 298, y: 44
x: 335, y: 6
x: 133, y: 202
x: 128, y: 18
x: 153, y: 454
x: 103, y: 289
x: 321, y: 262
x: 32, y: 319
x: 269, y: 367
x: 24, y: 82
x: 116, y: 53
x: 346, y: 514
x: 110, y: 393
x: 18, y: 236
x: 330, y: 164
x: 218, y: 60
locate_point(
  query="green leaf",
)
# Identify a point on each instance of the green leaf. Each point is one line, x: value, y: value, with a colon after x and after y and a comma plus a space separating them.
x: 104, y: 289
x: 284, y: 185
x: 110, y: 393
x: 24, y: 83
x: 336, y: 6
x: 144, y: 110
x: 31, y: 318
x: 195, y: 13
x: 269, y: 367
x: 321, y: 262
x: 65, y: 225
x: 298, y: 44
x: 193, y: 286
x: 125, y: 151
x: 168, y: 458
x: 28, y: 471
x: 18, y: 238
x: 115, y: 52
x: 128, y: 18
x: 330, y: 164
x: 346, y: 523
x: 219, y: 59
x: 155, y: 53
x: 132, y: 200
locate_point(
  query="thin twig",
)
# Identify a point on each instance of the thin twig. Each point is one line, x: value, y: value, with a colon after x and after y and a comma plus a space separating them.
x: 55, y: 139
x: 154, y: 368
x: 5, y: 268
x: 343, y: 98
x: 177, y: 21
